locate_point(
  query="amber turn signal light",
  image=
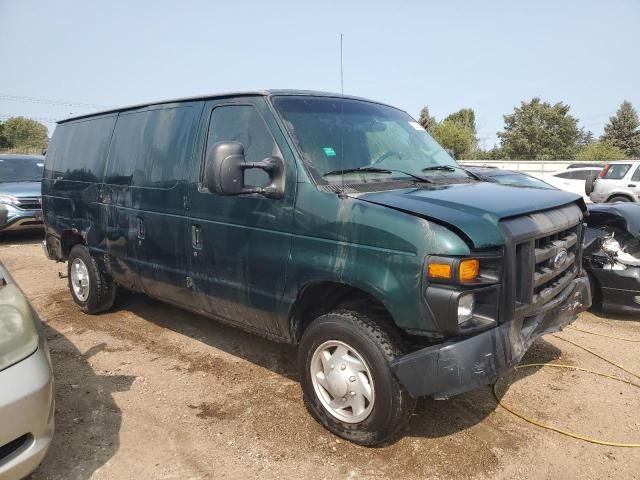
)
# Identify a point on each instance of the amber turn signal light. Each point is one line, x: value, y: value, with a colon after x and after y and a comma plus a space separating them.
x: 469, y: 270
x: 439, y: 270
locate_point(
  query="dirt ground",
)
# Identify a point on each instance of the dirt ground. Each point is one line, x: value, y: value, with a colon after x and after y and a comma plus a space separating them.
x: 148, y: 391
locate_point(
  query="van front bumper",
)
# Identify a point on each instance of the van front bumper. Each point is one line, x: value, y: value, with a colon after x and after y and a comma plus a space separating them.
x: 26, y: 413
x: 458, y: 366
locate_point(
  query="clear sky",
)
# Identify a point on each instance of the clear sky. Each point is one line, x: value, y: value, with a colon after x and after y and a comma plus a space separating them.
x: 487, y: 55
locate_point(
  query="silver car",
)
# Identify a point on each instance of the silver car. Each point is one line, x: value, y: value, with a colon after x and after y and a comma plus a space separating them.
x: 26, y: 384
x: 618, y: 181
x: 20, y: 178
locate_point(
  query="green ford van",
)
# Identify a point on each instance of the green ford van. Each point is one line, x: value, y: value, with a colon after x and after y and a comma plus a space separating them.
x: 327, y: 221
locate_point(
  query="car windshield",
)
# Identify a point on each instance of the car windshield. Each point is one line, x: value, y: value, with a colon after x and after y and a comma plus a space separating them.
x: 517, y: 179
x: 365, y: 140
x: 21, y: 169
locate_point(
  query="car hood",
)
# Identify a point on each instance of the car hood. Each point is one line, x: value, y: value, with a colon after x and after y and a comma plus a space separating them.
x: 603, y: 215
x: 20, y: 189
x: 472, y: 209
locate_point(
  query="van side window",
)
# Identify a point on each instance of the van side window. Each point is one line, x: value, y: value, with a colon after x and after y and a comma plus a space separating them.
x: 82, y: 148
x: 636, y: 175
x: 243, y: 123
x: 151, y: 148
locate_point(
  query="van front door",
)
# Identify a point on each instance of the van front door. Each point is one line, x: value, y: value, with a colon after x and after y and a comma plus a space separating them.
x: 240, y: 244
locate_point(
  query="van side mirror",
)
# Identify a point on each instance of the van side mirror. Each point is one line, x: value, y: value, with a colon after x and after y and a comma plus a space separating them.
x: 225, y: 167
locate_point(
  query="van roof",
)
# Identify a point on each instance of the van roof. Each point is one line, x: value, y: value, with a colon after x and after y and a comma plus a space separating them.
x: 246, y: 93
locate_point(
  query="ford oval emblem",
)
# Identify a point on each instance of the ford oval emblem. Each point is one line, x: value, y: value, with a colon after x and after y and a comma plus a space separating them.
x: 560, y: 258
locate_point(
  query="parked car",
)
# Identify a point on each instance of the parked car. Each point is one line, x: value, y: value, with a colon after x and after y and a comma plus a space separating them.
x: 508, y: 177
x: 600, y: 165
x: 330, y: 222
x: 618, y: 181
x: 573, y: 180
x: 20, y: 179
x: 612, y: 255
x: 26, y: 384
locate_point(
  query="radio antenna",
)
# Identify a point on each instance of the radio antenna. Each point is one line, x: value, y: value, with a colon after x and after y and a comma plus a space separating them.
x: 341, y: 69
x: 341, y: 194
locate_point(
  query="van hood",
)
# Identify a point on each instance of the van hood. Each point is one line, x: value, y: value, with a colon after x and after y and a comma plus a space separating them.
x: 472, y: 209
x: 20, y: 189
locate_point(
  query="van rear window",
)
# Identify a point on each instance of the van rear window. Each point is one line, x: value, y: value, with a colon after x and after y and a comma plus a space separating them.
x: 150, y: 148
x: 78, y: 150
x: 617, y: 171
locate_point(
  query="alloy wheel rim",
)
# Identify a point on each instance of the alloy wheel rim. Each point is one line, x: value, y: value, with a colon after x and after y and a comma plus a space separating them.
x: 80, y: 280
x: 342, y: 381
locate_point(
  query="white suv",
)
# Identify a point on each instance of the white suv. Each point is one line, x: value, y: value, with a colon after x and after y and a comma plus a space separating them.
x: 573, y: 179
x: 618, y: 182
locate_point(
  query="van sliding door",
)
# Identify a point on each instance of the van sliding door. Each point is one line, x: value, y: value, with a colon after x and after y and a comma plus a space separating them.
x: 150, y: 153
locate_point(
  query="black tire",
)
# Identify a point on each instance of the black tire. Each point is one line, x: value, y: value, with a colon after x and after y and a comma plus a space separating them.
x: 392, y: 405
x: 102, y: 289
x: 619, y: 198
x: 589, y: 184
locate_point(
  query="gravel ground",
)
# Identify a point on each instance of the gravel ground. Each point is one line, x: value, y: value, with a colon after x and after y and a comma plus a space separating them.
x: 150, y: 391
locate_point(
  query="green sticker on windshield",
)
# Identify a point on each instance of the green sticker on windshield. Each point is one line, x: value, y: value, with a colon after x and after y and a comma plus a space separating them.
x: 329, y: 152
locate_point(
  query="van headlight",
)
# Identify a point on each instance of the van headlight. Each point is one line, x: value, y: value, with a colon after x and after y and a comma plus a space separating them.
x: 18, y: 334
x: 466, y: 305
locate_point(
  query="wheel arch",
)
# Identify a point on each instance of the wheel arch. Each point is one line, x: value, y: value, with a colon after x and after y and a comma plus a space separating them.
x: 320, y: 297
x: 620, y: 194
x: 69, y: 239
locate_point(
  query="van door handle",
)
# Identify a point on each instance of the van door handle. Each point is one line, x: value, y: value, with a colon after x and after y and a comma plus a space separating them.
x: 140, y: 225
x: 632, y: 185
x: 196, y: 237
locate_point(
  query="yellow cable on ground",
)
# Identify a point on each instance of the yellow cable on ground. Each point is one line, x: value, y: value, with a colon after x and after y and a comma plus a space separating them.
x: 559, y: 430
x: 602, y: 334
x: 597, y: 355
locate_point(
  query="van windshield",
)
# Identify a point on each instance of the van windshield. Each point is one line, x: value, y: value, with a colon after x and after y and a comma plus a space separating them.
x: 367, y: 141
x: 21, y: 169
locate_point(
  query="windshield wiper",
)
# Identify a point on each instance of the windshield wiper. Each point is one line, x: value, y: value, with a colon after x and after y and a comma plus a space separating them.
x: 477, y: 176
x: 451, y: 168
x: 360, y: 169
x: 377, y: 170
x: 447, y: 168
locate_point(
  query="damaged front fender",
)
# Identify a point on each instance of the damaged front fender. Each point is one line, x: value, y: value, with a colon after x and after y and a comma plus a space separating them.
x: 612, y: 255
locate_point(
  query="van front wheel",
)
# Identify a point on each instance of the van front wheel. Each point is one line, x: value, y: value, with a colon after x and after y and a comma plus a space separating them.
x: 348, y: 385
x: 91, y: 289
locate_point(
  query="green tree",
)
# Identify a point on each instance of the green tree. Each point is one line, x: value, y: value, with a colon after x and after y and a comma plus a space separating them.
x: 426, y: 120
x: 494, y: 153
x: 622, y: 130
x: 601, y: 151
x: 24, y: 134
x: 585, y: 138
x: 538, y: 130
x: 455, y: 137
x: 3, y: 141
x: 465, y: 117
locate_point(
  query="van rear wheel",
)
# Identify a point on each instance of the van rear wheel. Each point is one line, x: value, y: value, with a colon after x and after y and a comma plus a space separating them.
x: 348, y: 385
x: 91, y: 289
